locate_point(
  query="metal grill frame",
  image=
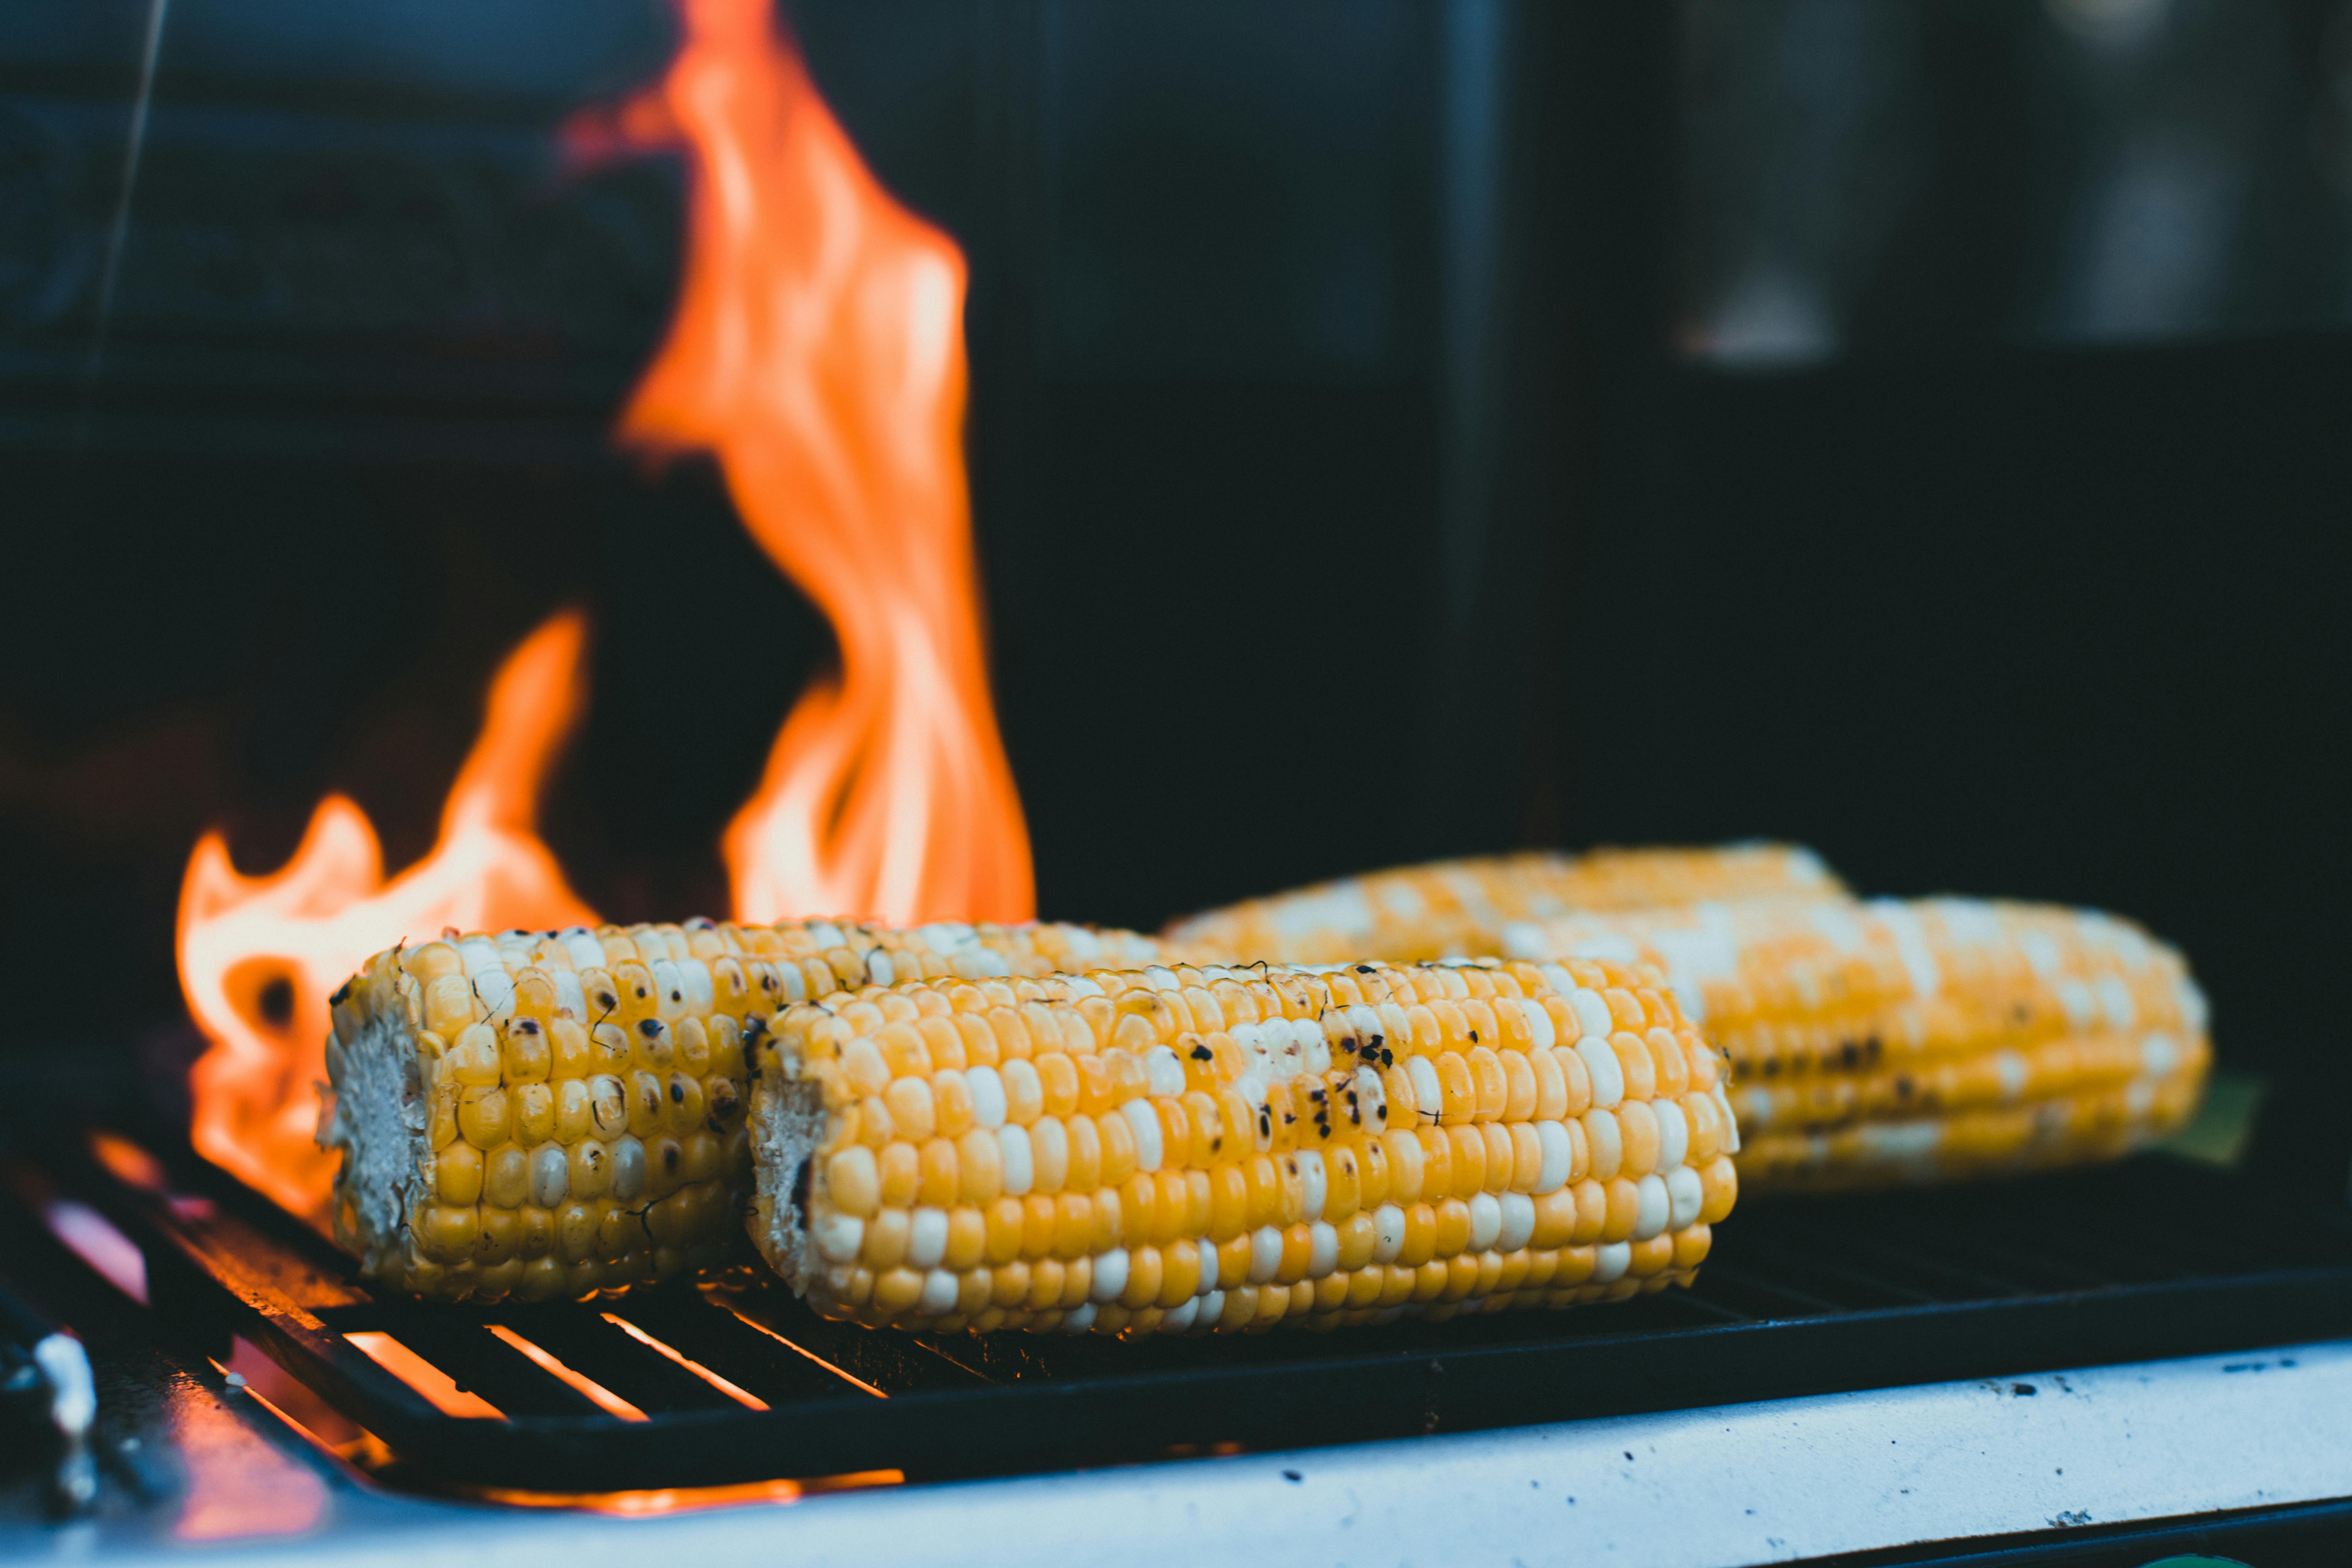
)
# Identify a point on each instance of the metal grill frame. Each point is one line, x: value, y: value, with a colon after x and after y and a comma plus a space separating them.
x: 2156, y: 1258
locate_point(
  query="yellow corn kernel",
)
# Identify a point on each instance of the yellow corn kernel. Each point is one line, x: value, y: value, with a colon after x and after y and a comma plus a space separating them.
x: 1864, y: 1044
x: 1136, y: 1207
x: 1427, y: 911
x: 587, y: 1104
x: 458, y: 1174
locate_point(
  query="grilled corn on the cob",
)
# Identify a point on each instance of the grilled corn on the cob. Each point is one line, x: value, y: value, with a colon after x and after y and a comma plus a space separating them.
x: 1195, y: 1149
x: 1454, y: 907
x: 1888, y: 1041
x: 545, y: 1114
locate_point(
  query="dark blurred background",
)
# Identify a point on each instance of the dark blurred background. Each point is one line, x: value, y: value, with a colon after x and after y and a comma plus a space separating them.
x: 1917, y: 427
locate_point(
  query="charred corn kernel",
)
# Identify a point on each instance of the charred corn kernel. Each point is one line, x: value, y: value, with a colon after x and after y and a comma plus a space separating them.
x: 1889, y: 1041
x: 1421, y: 912
x: 597, y: 1077
x: 1128, y: 1220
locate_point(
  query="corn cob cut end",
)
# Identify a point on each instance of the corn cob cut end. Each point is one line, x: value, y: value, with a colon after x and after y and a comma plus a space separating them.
x: 786, y: 1137
x: 368, y: 1117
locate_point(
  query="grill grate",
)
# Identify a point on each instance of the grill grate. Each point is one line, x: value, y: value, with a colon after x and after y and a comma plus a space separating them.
x: 733, y: 1381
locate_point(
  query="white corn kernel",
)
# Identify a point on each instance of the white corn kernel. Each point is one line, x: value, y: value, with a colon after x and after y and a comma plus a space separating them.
x: 987, y: 1091
x: 1592, y: 1013
x: 1685, y: 1195
x: 1322, y: 1250
x: 550, y: 1175
x: 1673, y: 1132
x: 1013, y: 1145
x: 628, y: 1168
x: 1427, y: 1095
x: 1655, y: 1207
x: 1518, y: 1221
x: 1601, y: 1063
x: 1558, y: 1157
x: 1164, y: 1071
x: 839, y: 1236
x: 1485, y: 1221
x: 1265, y: 1254
x: 1314, y: 1181
x: 1314, y: 1046
x: 926, y: 1238
x: 1144, y: 1123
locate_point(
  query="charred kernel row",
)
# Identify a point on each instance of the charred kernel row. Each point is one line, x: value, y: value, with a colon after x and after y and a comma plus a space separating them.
x: 2034, y: 1071
x: 1450, y: 908
x: 2071, y: 1127
x: 1198, y: 1148
x: 547, y: 1114
x: 1885, y: 1041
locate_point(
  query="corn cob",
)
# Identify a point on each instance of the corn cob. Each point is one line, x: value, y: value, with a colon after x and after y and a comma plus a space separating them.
x: 1189, y: 1150
x: 1892, y: 1041
x: 1454, y: 907
x: 546, y: 1114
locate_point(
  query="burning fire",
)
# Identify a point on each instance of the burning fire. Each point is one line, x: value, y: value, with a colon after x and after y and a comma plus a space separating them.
x: 260, y: 955
x: 818, y: 351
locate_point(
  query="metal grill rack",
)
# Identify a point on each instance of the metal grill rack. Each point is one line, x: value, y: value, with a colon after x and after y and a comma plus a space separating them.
x: 2151, y: 1259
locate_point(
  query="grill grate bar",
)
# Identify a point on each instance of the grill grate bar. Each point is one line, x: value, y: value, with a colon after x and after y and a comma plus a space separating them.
x: 809, y: 1356
x: 1732, y: 1278
x: 1820, y: 1274
x: 728, y: 1386
x: 478, y: 1361
x: 1961, y: 1282
x: 892, y: 1364
x: 1800, y: 1295
x: 637, y: 1372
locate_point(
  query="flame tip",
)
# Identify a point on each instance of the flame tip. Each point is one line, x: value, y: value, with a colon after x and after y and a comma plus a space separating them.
x: 816, y: 352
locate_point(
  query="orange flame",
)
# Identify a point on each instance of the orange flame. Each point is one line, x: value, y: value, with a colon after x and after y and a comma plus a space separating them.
x: 818, y: 351
x: 260, y: 955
